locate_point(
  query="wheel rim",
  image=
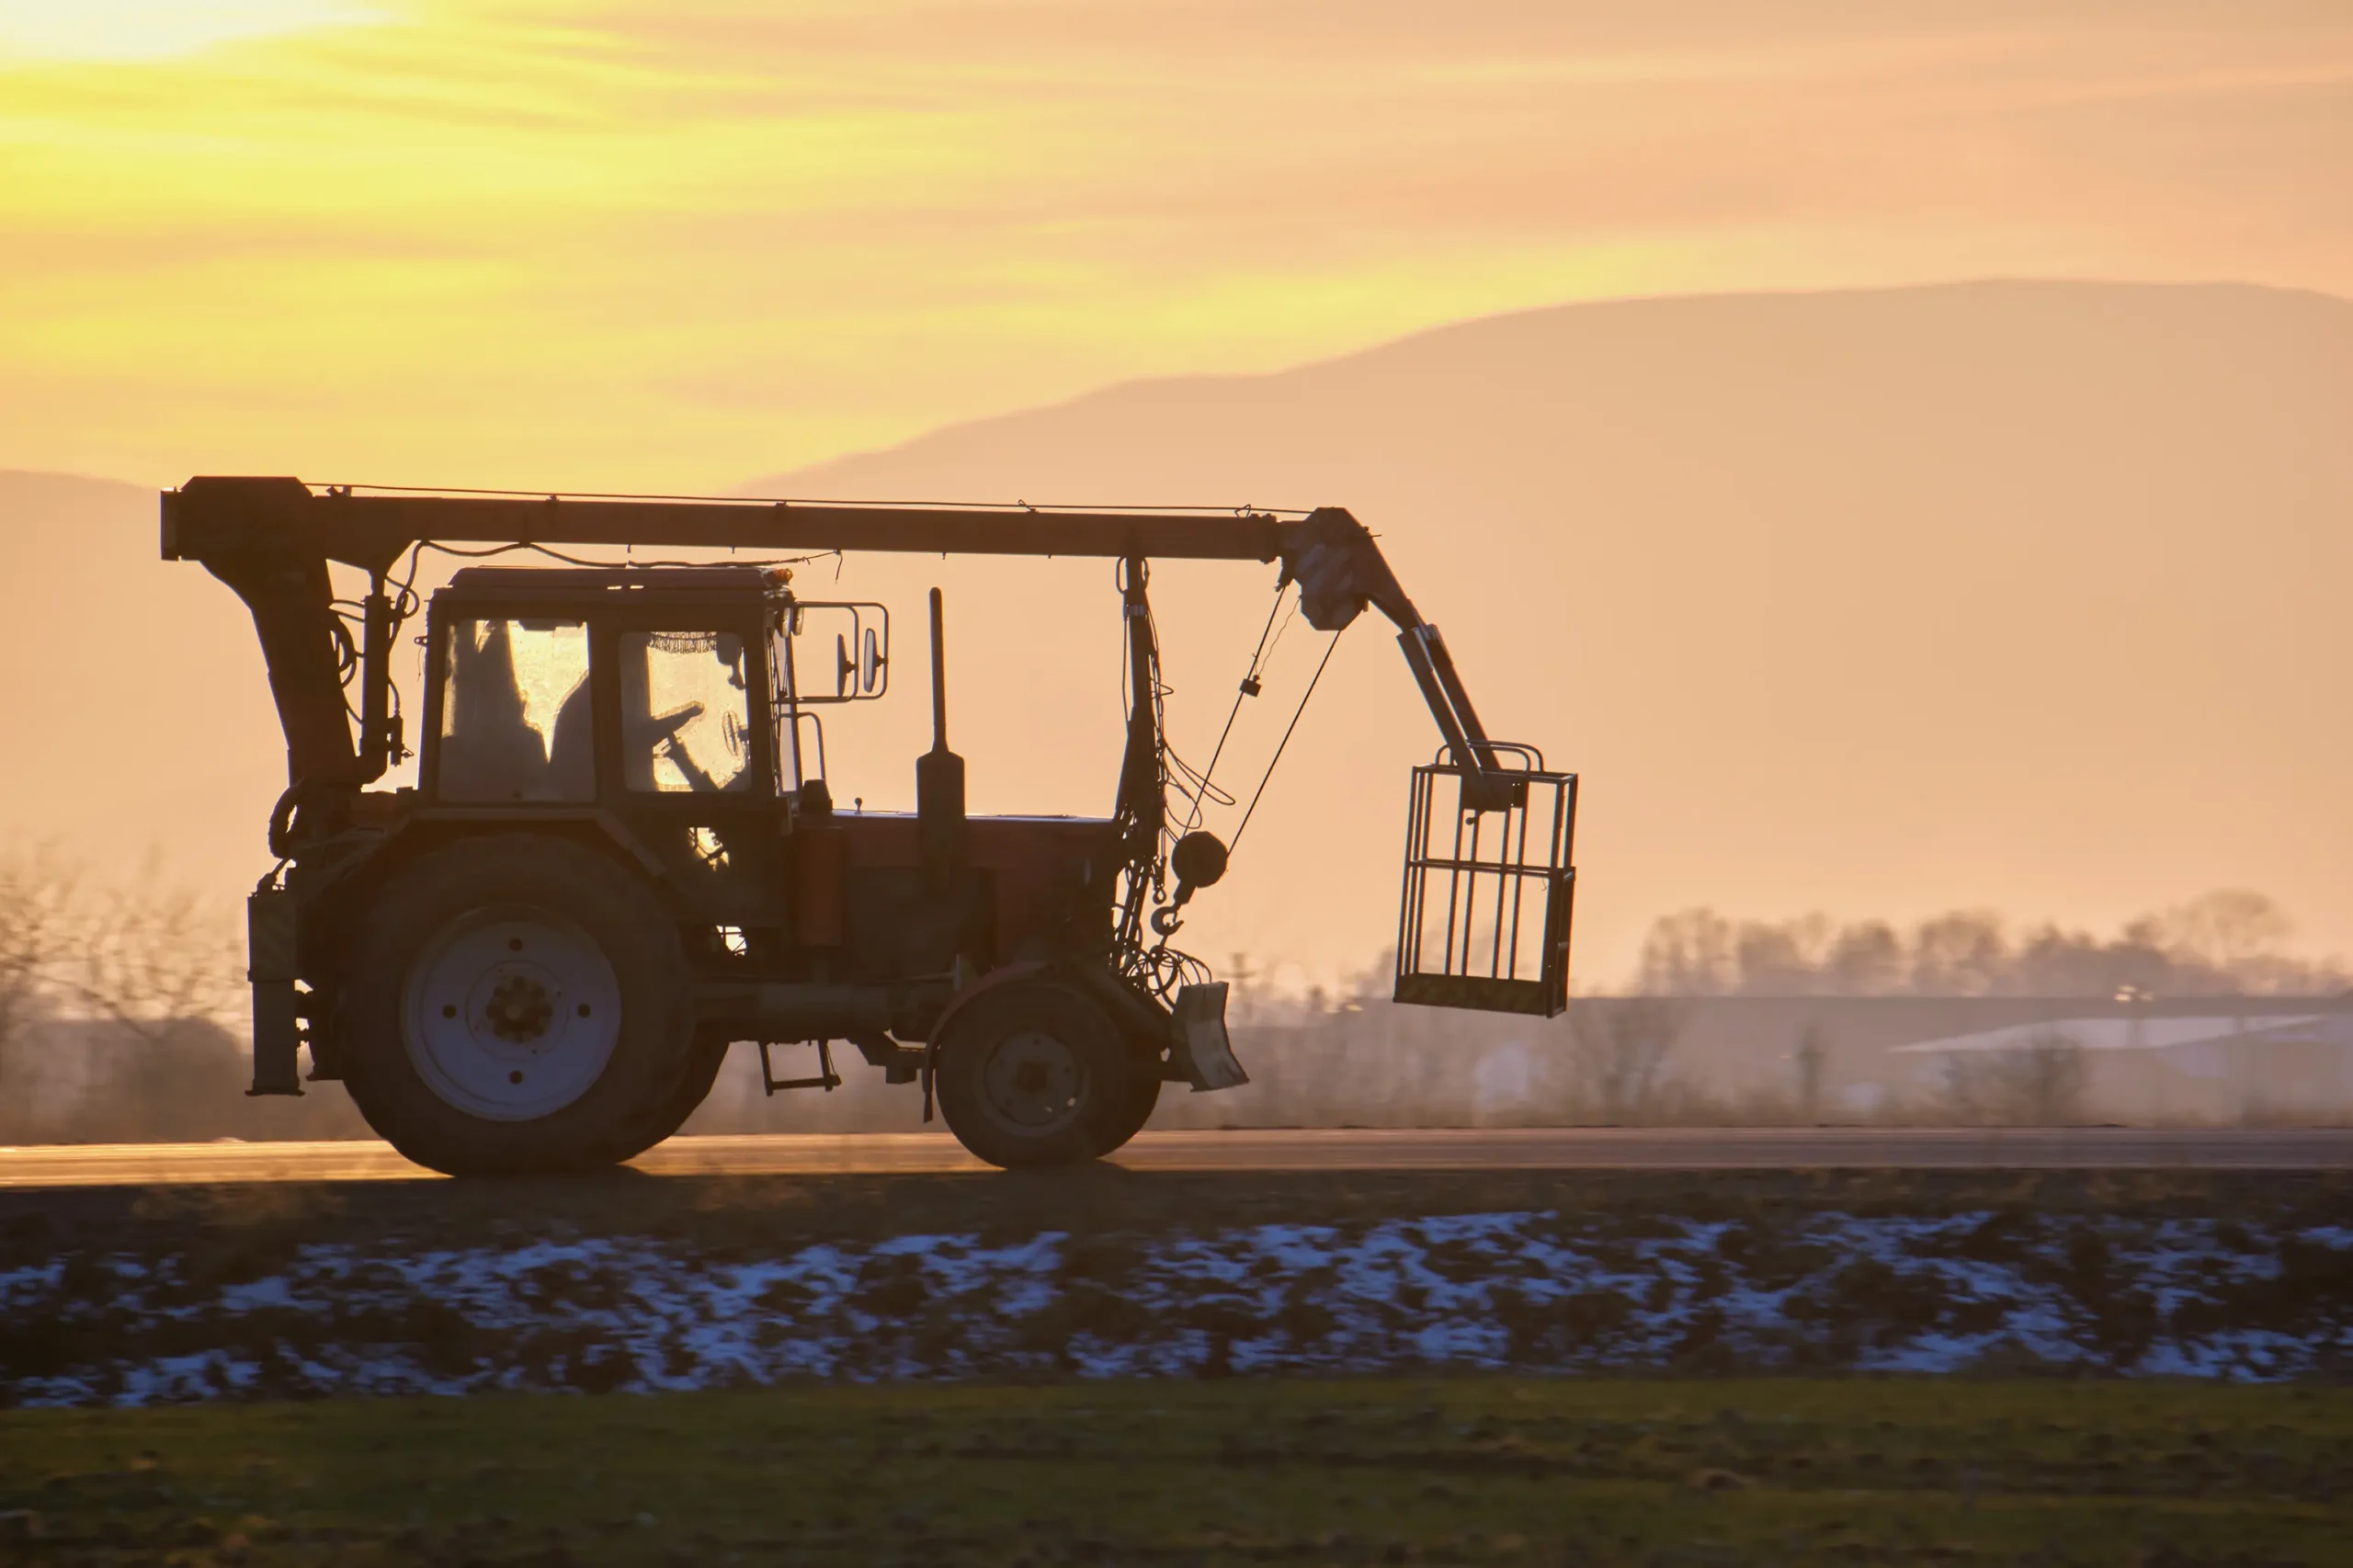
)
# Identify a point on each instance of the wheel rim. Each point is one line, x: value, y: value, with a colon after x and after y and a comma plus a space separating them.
x: 1033, y: 1081
x: 511, y: 1014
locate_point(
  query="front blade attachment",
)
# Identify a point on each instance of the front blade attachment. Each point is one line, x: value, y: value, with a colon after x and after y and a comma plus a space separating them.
x: 1483, y: 922
x: 1203, y: 1051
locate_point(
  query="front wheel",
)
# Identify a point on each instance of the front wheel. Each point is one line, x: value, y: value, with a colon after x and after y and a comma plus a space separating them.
x: 517, y: 1004
x: 1036, y: 1075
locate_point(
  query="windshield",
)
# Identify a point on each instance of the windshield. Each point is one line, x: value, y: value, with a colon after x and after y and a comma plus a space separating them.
x: 686, y: 711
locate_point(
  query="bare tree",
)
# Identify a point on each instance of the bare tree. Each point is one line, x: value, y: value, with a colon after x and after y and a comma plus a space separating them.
x: 153, y: 963
x: 2230, y: 928
x: 1692, y: 953
x: 1868, y: 959
x: 154, y: 972
x: 36, y: 908
x: 1965, y: 953
x: 2222, y: 943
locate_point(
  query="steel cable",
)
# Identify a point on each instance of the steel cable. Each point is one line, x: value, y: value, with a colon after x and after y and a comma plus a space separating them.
x: 1268, y: 775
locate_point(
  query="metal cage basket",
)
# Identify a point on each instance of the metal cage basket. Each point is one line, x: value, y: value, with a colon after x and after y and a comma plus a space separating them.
x: 1483, y: 922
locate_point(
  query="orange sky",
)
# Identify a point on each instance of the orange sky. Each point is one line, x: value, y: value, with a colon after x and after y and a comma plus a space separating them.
x: 665, y: 245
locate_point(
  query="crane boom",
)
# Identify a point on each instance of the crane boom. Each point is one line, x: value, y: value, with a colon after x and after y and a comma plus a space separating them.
x: 209, y: 516
x: 271, y: 540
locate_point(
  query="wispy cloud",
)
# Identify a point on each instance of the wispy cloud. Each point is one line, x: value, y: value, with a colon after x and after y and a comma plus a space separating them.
x: 650, y: 243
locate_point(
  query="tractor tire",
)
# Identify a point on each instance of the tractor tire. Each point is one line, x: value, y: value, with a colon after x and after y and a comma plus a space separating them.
x: 519, y: 1004
x: 1037, y: 1074
x: 702, y: 1071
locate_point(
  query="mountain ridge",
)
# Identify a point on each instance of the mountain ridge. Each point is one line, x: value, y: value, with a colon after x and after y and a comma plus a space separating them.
x: 1450, y: 332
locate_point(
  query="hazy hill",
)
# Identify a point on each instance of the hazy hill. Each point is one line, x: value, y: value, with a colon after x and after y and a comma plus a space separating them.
x: 2030, y: 595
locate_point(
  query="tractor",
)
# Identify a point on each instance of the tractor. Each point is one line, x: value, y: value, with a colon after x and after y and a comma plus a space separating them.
x: 622, y: 854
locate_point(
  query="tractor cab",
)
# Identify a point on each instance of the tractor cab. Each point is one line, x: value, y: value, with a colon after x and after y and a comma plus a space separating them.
x: 573, y: 685
x: 576, y: 686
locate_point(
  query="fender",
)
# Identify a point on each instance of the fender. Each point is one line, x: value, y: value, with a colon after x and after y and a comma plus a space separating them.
x: 608, y: 825
x: 930, y: 1073
x: 1005, y: 974
x: 330, y: 879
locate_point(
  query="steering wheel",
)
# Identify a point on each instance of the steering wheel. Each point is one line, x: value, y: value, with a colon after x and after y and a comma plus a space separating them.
x: 659, y: 735
x: 665, y: 727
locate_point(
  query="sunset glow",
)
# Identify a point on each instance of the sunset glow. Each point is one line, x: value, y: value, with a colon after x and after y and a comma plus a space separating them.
x: 159, y: 29
x: 509, y: 242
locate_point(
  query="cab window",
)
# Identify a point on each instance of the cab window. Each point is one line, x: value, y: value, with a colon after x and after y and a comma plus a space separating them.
x: 514, y: 712
x: 686, y: 711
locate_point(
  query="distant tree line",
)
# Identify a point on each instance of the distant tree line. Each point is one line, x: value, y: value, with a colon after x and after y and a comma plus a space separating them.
x: 2227, y: 943
x: 122, y: 1012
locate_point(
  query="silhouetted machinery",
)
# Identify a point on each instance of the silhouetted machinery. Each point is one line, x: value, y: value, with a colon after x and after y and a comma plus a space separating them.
x: 622, y: 854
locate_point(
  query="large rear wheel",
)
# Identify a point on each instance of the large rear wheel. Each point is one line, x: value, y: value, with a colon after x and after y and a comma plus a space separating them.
x: 694, y: 1087
x: 1037, y: 1074
x: 519, y: 1004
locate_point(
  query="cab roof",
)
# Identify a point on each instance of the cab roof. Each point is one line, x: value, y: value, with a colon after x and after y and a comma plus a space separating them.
x: 574, y: 581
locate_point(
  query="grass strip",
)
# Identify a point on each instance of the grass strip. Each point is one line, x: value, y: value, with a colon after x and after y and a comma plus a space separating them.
x: 1791, y: 1474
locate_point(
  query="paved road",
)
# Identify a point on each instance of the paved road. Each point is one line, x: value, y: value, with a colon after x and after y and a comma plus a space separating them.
x: 1316, y: 1148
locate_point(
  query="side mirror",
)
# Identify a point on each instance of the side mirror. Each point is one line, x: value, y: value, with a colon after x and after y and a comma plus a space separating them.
x: 862, y: 649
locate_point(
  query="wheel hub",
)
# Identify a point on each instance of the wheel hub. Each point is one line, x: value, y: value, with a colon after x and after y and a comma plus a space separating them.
x: 521, y: 1007
x: 511, y: 1015
x: 1033, y: 1079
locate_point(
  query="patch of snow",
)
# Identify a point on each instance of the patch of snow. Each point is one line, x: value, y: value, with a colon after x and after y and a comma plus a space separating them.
x: 1511, y: 1290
